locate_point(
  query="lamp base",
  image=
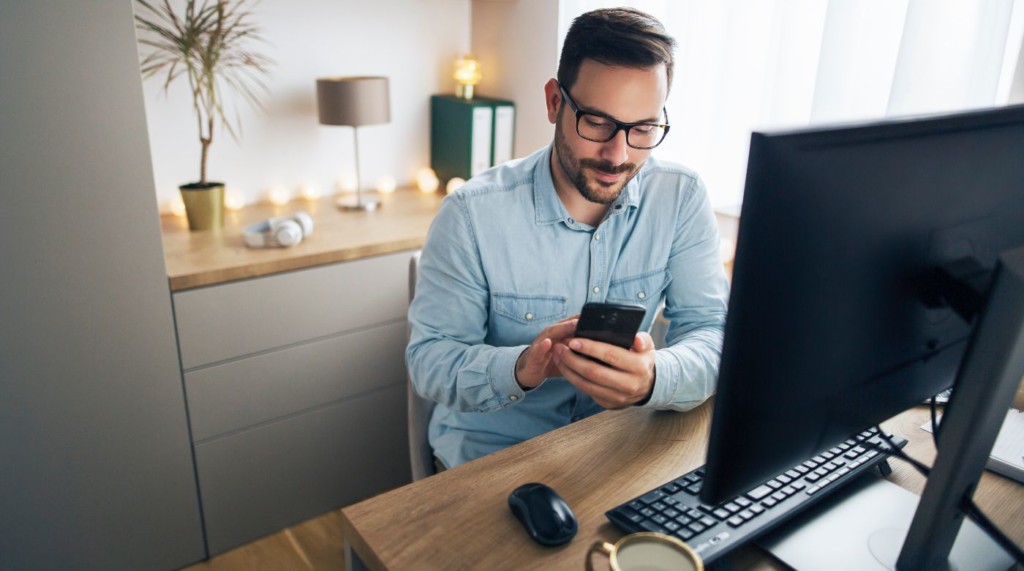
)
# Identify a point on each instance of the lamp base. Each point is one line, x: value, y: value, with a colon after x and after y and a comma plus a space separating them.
x: 358, y: 203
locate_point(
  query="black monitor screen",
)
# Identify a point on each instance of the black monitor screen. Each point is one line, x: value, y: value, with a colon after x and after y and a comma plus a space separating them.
x: 828, y: 332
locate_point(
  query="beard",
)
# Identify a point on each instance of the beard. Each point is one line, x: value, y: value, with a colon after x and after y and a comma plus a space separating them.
x: 574, y: 168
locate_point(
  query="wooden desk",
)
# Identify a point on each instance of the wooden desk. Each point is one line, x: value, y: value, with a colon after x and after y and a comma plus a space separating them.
x: 460, y: 518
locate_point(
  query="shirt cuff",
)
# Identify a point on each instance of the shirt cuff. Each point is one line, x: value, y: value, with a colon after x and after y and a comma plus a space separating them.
x: 502, y: 376
x: 664, y: 382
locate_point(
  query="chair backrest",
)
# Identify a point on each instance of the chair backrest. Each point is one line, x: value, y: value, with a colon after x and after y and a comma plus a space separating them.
x: 421, y: 455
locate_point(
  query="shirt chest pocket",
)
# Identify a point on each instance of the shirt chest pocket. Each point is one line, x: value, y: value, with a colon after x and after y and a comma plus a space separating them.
x: 529, y: 309
x: 641, y: 289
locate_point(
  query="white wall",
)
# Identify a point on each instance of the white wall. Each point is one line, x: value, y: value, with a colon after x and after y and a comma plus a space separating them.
x: 518, y: 45
x: 413, y: 42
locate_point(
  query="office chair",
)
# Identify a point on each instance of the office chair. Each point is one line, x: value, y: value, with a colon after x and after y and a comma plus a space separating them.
x: 421, y: 455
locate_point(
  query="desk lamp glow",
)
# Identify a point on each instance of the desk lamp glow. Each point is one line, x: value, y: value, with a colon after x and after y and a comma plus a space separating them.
x: 467, y: 75
x: 354, y: 102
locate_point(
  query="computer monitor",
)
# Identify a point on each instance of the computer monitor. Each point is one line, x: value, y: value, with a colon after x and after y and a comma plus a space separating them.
x: 838, y: 316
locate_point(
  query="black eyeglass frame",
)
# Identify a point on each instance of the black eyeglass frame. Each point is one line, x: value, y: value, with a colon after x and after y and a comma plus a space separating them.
x: 619, y: 125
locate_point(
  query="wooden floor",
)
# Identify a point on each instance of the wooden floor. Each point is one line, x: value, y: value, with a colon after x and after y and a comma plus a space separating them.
x: 313, y: 544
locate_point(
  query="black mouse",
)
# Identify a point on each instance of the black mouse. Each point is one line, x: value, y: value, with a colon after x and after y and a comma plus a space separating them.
x: 544, y: 514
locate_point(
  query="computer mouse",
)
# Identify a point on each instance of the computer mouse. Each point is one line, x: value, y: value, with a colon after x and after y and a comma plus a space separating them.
x: 545, y: 516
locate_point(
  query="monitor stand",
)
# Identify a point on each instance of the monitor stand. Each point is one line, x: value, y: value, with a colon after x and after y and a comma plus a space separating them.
x: 862, y: 527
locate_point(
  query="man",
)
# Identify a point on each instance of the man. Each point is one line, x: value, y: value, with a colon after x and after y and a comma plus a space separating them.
x: 513, y: 256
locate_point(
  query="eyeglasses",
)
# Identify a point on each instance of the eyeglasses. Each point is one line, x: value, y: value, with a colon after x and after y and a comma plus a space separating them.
x: 601, y: 128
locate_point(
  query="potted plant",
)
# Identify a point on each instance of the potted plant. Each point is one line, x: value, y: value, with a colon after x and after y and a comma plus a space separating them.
x: 205, y: 42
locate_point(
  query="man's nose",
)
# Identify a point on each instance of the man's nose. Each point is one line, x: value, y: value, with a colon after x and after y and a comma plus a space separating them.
x: 616, y: 150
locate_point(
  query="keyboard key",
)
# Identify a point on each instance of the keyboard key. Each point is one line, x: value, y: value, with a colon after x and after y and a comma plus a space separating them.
x: 735, y: 521
x: 658, y: 507
x: 757, y: 509
x: 685, y: 533
x: 659, y: 519
x: 670, y: 489
x: 722, y: 513
x: 697, y: 526
x: 732, y: 507
x: 742, y: 502
x: 651, y: 497
x: 671, y: 512
x: 693, y: 489
x: 672, y: 526
x: 708, y: 522
x: 759, y: 492
x: 746, y: 514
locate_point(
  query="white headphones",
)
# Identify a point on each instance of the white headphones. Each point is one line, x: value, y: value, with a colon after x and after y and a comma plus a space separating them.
x: 281, y: 232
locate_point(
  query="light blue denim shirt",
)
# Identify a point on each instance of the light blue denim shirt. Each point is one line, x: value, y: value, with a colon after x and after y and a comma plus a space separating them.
x: 503, y: 259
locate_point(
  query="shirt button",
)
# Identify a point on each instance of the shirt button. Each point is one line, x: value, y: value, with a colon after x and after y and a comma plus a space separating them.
x: 597, y: 289
x: 571, y: 221
x: 529, y: 317
x: 597, y: 236
x: 641, y: 295
x: 513, y: 397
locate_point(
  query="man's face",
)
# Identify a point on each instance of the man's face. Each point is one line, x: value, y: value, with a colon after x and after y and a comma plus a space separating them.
x: 599, y: 171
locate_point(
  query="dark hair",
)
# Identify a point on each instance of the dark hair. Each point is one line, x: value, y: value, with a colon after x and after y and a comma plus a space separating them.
x: 618, y: 37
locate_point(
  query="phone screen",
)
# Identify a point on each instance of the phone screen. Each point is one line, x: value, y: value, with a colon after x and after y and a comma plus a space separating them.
x: 613, y: 323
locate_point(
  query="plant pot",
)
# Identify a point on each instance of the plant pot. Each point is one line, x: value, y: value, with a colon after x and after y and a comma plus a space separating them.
x: 204, y: 205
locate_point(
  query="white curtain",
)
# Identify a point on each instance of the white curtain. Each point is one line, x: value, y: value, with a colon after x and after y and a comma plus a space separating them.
x: 745, y: 65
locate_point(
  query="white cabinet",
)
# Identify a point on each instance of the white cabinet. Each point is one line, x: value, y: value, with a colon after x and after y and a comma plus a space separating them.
x: 295, y: 385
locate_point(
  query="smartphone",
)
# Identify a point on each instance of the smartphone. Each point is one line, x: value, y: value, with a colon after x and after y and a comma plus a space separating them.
x: 614, y: 323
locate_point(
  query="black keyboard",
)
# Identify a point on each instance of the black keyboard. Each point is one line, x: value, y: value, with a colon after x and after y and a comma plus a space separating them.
x: 714, y: 530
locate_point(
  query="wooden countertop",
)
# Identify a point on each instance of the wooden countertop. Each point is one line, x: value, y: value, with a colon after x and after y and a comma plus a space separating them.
x: 196, y: 259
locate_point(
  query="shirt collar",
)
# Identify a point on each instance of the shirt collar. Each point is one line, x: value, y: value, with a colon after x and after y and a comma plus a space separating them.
x: 550, y: 209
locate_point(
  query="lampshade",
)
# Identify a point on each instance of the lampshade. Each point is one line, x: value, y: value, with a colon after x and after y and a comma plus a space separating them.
x: 353, y: 101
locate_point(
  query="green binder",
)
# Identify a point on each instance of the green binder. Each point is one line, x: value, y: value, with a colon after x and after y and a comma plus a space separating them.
x: 468, y: 136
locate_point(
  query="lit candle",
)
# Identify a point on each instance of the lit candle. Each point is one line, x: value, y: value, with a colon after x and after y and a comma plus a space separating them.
x: 346, y: 183
x: 233, y: 201
x: 177, y: 206
x: 454, y: 184
x: 279, y: 196
x: 309, y: 191
x: 386, y: 184
x: 426, y: 180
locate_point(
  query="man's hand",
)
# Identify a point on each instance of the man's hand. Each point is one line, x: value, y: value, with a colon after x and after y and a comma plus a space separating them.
x: 623, y: 377
x: 535, y: 362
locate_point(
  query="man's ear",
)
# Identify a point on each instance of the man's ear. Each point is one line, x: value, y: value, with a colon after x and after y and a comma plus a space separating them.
x: 553, y: 99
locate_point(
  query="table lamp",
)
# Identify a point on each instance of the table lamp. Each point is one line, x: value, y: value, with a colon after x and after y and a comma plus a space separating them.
x: 354, y: 102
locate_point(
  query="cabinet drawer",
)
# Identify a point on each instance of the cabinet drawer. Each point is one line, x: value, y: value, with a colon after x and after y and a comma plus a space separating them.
x: 240, y: 318
x: 261, y: 480
x: 238, y: 394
